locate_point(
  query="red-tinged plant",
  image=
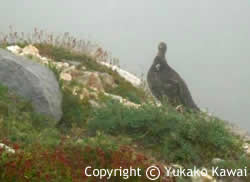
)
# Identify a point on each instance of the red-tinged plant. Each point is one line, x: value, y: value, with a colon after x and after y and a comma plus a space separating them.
x: 67, y: 163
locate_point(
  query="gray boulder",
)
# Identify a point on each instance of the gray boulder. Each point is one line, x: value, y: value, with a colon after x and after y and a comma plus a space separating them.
x: 33, y: 82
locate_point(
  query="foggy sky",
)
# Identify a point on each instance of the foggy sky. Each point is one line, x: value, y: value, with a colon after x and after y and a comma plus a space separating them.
x: 208, y: 41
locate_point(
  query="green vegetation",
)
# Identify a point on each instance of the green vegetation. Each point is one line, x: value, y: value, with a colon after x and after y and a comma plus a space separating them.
x: 75, y: 111
x: 19, y: 123
x: 107, y: 137
x: 60, y: 53
x: 188, y: 139
x: 44, y: 153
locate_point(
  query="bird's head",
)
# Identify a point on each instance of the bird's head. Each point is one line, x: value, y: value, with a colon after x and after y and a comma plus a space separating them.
x: 160, y: 59
x: 162, y: 49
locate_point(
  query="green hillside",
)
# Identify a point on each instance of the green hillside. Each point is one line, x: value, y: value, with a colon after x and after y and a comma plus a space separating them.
x: 100, y: 131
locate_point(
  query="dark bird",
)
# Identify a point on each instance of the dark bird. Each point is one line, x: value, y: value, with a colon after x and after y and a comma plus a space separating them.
x: 165, y: 82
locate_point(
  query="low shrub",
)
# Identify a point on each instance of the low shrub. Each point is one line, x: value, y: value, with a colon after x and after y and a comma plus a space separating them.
x: 188, y: 139
x: 67, y: 163
x: 42, y: 153
x: 75, y: 111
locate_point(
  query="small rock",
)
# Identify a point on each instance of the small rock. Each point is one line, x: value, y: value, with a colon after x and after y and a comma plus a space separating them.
x: 115, y: 97
x: 66, y: 65
x: 122, y: 100
x: 246, y: 148
x: 108, y: 80
x: 61, y: 65
x: 69, y: 69
x: 75, y: 91
x: 91, y: 80
x: 95, y: 82
x: 84, y: 94
x: 65, y: 76
x: 180, y: 108
x: 83, y: 68
x: 44, y: 59
x: 74, y: 63
x: 134, y: 80
x: 58, y: 65
x: 14, y: 49
x: 130, y: 104
x: 30, y: 50
x: 8, y: 149
x: 45, y: 62
x: 176, y: 166
x: 93, y: 95
x: 94, y: 104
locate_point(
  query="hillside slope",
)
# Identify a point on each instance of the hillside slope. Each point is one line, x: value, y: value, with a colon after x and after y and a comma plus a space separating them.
x: 109, y: 121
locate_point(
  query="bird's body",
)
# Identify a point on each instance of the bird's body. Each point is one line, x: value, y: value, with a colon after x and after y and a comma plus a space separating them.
x: 164, y: 82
